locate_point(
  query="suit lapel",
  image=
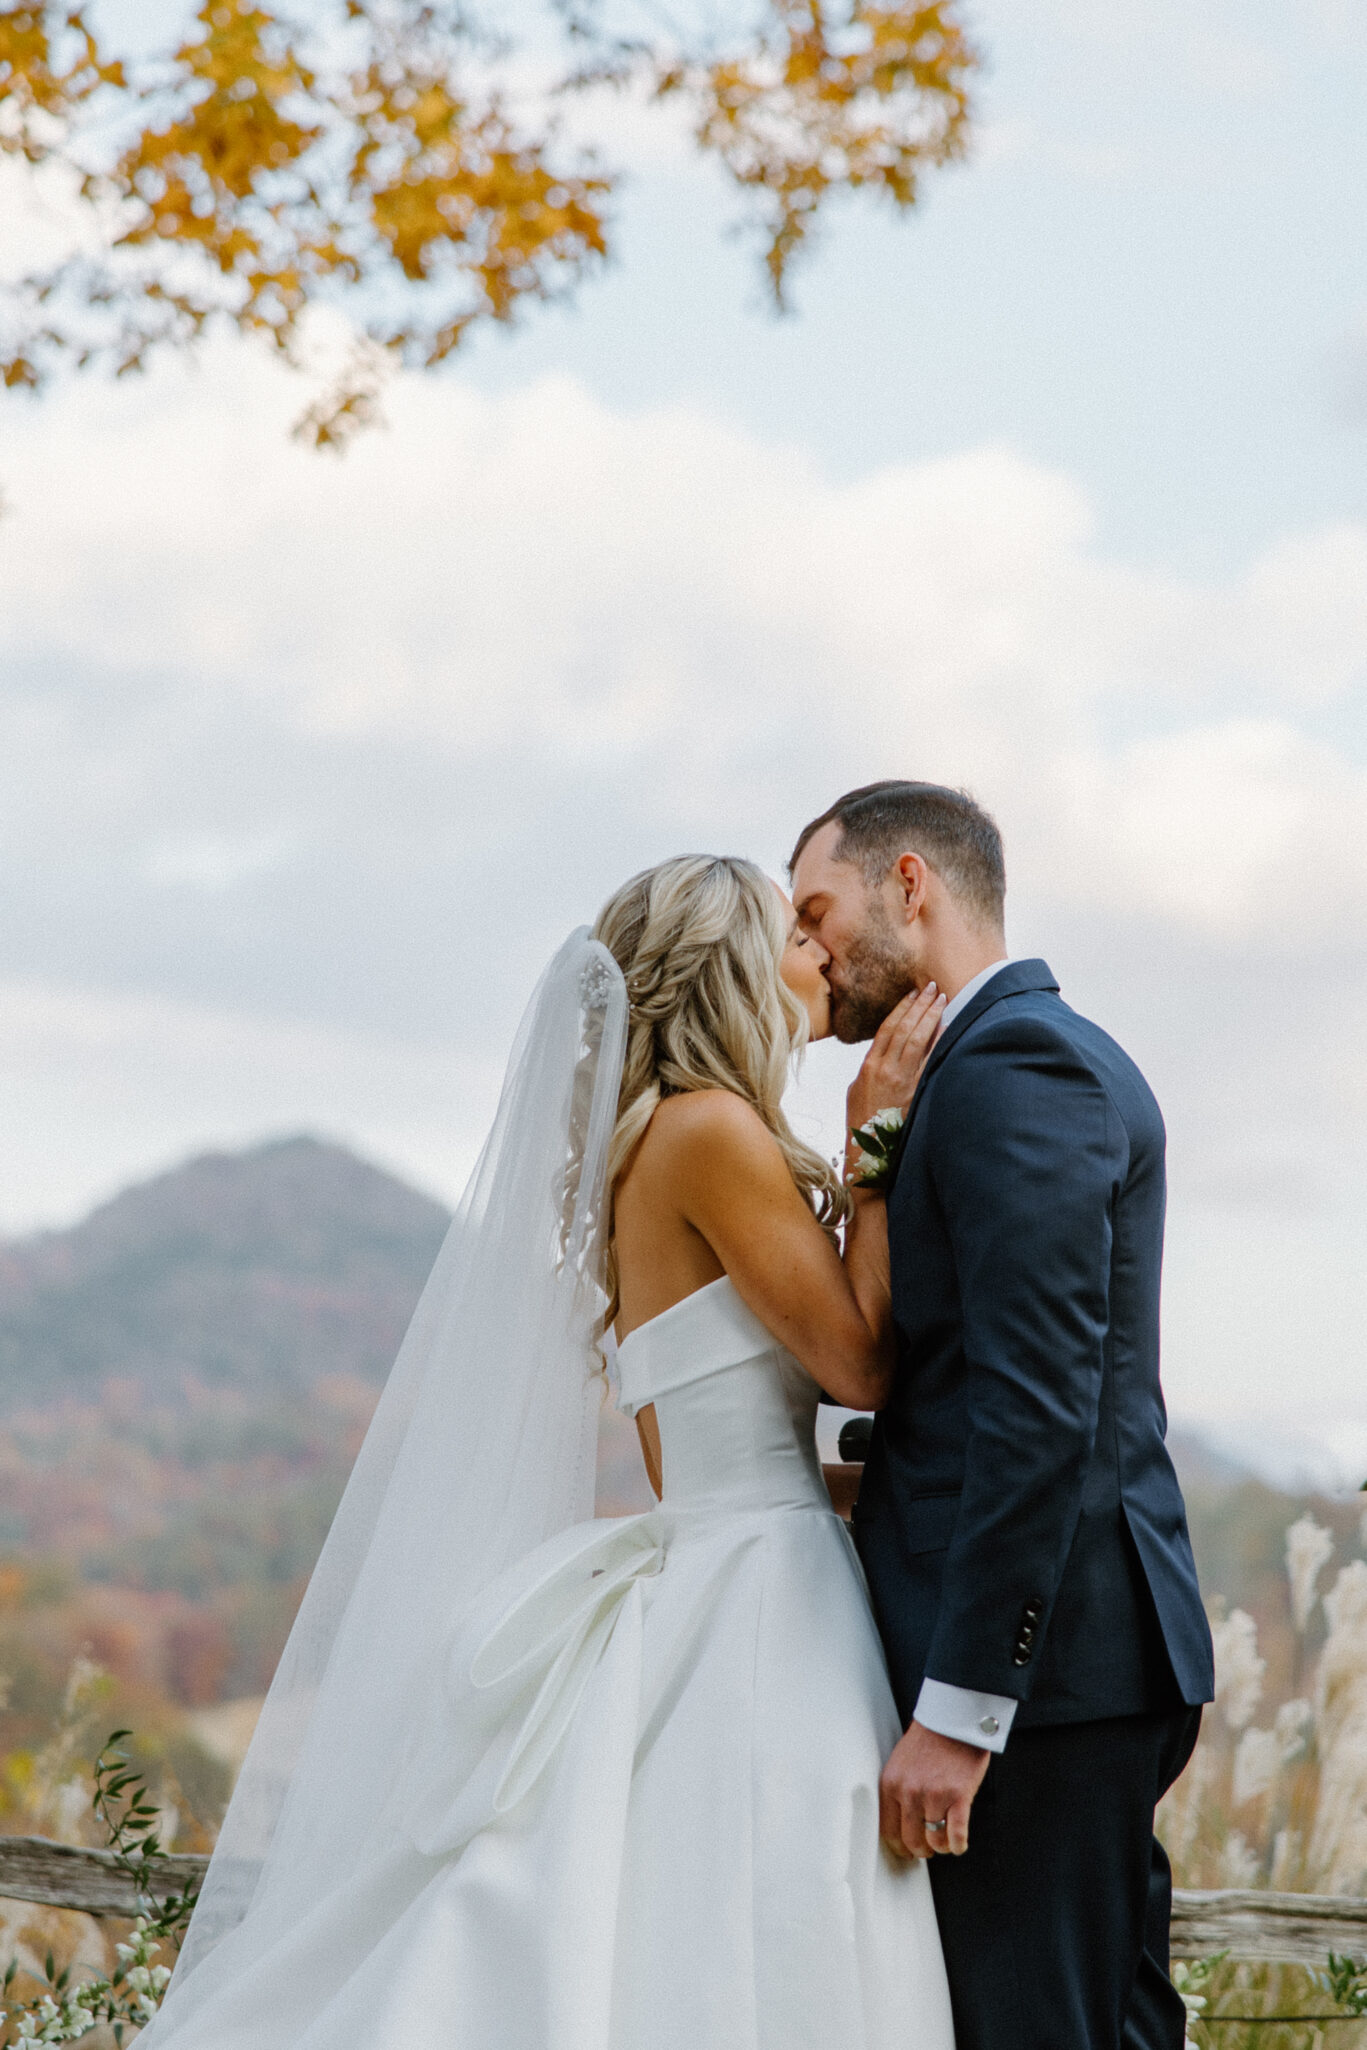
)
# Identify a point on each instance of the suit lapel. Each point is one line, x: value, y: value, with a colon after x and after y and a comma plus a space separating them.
x: 1012, y: 980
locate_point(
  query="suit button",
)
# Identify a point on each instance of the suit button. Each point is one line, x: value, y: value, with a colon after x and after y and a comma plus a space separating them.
x: 1021, y: 1656
x: 989, y: 1726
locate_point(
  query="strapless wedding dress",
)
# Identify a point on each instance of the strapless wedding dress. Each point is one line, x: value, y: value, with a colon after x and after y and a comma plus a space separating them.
x: 645, y: 1805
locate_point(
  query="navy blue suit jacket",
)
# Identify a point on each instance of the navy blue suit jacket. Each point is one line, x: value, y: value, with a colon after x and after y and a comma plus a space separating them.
x: 1019, y: 1520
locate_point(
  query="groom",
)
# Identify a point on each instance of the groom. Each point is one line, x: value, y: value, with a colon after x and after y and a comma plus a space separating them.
x: 1019, y: 1520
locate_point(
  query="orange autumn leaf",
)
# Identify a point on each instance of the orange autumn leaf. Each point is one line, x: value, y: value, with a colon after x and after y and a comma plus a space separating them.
x: 373, y: 165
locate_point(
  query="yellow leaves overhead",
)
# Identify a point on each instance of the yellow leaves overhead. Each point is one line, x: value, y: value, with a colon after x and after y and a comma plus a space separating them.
x: 208, y: 178
x: 435, y: 175
x: 49, y: 64
x: 373, y: 165
x: 817, y: 103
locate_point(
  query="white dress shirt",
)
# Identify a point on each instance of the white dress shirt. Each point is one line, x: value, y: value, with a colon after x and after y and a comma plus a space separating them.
x: 980, y: 1719
x: 969, y: 991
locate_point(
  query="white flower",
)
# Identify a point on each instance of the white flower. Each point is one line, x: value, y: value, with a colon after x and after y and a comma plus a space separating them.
x: 1346, y: 1603
x: 68, y: 1806
x: 1286, y: 1858
x: 81, y: 1682
x: 1338, y: 1846
x: 1188, y: 1974
x: 1294, y: 1722
x: 1239, y: 1864
x: 1255, y: 1764
x: 1309, y: 1548
x: 1238, y: 1668
x: 876, y: 1148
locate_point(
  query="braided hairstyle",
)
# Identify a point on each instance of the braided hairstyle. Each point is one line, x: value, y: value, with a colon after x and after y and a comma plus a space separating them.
x: 699, y: 940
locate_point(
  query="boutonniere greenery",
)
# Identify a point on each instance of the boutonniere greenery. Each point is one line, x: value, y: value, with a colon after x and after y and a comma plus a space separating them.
x: 878, y: 1144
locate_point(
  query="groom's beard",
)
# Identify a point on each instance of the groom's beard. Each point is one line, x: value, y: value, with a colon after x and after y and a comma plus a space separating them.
x: 874, y: 978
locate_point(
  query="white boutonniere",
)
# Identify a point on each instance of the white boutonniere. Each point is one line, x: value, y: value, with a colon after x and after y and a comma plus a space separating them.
x: 877, y: 1144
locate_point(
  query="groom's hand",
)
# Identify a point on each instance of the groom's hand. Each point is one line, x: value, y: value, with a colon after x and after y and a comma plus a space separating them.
x: 929, y: 1778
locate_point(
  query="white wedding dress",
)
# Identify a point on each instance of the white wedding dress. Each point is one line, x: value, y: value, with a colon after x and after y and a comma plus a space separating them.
x: 644, y: 1796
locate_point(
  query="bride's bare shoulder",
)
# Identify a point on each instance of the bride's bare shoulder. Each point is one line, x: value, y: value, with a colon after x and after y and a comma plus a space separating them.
x: 704, y: 1129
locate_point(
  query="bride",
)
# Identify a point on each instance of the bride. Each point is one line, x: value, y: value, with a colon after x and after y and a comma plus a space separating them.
x: 529, y: 1781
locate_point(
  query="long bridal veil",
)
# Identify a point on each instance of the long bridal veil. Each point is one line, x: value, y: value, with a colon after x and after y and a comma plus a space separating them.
x: 482, y: 1446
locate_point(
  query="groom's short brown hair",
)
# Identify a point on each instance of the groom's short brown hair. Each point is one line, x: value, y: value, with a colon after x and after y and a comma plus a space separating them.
x: 947, y: 828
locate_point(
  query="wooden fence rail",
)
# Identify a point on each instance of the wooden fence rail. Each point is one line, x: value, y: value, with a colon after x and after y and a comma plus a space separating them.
x: 33, y: 1868
x: 1269, y: 1928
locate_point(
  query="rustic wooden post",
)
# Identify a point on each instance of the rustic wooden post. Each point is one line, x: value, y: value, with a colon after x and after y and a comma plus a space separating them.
x: 1266, y: 1928
x: 33, y: 1868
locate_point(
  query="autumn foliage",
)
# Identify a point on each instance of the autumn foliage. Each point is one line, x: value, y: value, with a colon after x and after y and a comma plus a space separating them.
x: 380, y: 162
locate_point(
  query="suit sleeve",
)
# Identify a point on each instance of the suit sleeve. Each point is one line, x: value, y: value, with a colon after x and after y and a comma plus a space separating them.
x: 1028, y: 1153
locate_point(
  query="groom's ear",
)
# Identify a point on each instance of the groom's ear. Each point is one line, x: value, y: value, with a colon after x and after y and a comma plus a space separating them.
x: 911, y: 880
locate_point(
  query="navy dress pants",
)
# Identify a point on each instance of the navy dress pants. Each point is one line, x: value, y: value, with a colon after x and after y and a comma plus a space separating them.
x: 1055, y: 1920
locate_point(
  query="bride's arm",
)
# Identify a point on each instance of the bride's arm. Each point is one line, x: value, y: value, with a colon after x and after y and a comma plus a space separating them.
x: 868, y: 1266
x: 733, y: 1187
x: 887, y: 1080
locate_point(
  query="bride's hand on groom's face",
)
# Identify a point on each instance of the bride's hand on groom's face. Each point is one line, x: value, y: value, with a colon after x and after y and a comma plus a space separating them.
x: 892, y: 1066
x: 929, y: 1779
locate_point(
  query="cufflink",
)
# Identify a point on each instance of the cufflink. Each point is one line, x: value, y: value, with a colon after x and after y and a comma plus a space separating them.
x: 989, y: 1726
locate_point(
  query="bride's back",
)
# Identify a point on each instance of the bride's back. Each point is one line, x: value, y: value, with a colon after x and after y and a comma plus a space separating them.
x: 661, y: 1256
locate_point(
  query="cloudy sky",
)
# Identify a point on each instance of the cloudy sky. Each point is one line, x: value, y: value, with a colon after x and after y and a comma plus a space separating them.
x: 1058, y: 490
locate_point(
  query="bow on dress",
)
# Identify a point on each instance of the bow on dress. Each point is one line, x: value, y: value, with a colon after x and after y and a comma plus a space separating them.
x: 519, y: 1667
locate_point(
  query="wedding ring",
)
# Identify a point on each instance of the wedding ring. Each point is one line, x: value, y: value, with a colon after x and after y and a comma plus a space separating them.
x: 938, y: 1825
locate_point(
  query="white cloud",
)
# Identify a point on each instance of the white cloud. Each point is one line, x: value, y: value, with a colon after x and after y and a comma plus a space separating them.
x: 1306, y: 617
x: 304, y: 766
x: 97, y: 1087
x: 656, y: 604
x: 617, y: 578
x: 1217, y: 826
x: 213, y: 862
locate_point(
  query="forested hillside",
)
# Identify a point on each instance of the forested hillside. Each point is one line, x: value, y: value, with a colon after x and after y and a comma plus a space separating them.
x: 258, y: 1272
x: 185, y: 1378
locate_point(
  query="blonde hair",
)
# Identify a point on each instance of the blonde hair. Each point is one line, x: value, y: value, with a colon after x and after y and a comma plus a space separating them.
x: 699, y: 940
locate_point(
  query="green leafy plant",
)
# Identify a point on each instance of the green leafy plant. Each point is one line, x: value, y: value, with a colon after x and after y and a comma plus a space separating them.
x: 1289, y: 2001
x: 1346, y: 1983
x: 62, y: 2010
x: 128, y: 1816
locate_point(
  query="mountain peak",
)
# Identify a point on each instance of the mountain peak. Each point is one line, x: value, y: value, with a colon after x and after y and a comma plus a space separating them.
x: 290, y: 1258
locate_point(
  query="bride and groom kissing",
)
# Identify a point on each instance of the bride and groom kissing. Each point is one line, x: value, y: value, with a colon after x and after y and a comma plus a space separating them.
x: 731, y: 1774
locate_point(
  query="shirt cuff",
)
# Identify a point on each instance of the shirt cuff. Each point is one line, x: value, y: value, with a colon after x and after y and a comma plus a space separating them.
x: 983, y: 1720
